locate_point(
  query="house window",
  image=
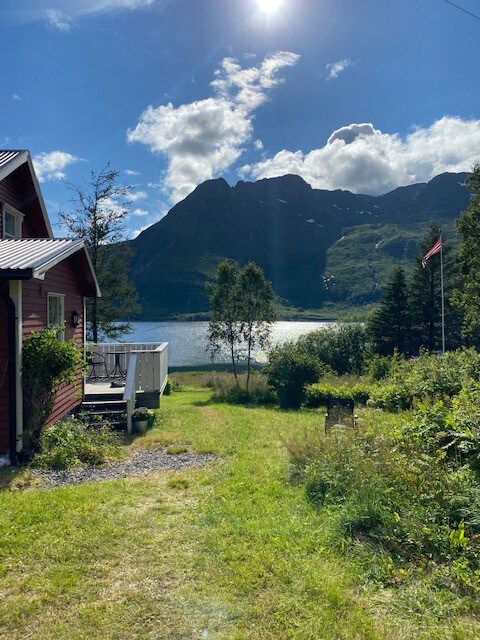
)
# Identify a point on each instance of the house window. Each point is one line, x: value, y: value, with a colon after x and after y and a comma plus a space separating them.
x: 12, y: 222
x: 56, y: 311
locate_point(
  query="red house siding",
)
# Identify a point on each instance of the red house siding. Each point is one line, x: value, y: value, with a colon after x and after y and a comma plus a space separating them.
x: 63, y: 279
x: 17, y: 190
x: 3, y: 378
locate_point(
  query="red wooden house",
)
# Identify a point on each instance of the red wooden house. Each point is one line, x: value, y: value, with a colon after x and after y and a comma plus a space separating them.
x: 43, y: 281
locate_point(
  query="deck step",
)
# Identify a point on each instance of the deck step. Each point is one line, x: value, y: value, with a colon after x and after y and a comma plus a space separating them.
x: 104, y: 405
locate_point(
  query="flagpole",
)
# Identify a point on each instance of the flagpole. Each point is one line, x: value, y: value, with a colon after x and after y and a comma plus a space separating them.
x: 443, y: 296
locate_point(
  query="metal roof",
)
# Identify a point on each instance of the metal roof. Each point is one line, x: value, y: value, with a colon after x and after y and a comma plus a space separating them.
x: 12, y: 159
x: 33, y: 257
x: 6, y: 156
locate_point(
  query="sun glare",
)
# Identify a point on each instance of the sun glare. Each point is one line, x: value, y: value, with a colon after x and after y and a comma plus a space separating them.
x: 269, y: 6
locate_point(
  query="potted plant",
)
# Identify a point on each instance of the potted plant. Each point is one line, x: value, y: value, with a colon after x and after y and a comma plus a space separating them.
x: 140, y: 418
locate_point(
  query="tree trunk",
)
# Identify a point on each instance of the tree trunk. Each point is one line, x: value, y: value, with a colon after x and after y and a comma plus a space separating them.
x: 249, y: 357
x: 234, y: 365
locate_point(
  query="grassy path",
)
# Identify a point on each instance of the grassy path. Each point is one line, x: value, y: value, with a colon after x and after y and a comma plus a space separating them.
x: 232, y: 551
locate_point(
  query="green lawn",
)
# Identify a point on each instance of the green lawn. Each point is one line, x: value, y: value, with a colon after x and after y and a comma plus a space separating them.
x: 231, y: 551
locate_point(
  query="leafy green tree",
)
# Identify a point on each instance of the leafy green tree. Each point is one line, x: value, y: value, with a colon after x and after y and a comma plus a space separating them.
x: 425, y: 296
x: 341, y: 347
x: 100, y: 209
x: 225, y: 326
x: 467, y: 296
x: 289, y: 370
x: 389, y: 327
x: 257, y: 310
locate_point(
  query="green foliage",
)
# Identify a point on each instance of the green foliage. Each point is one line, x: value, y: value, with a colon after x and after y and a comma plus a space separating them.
x: 100, y: 210
x: 140, y: 413
x: 406, y: 500
x: 70, y: 442
x: 389, y: 327
x: 467, y: 297
x: 378, y: 367
x: 341, y: 348
x: 226, y: 390
x: 317, y: 395
x: 242, y: 311
x: 168, y: 387
x: 425, y: 296
x: 290, y: 369
x: 426, y: 378
x: 225, y: 327
x: 47, y: 363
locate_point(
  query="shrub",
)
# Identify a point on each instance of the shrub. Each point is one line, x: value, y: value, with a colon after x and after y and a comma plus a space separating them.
x: 426, y: 379
x: 405, y: 500
x: 226, y: 389
x: 378, y: 367
x: 290, y: 369
x: 342, y: 348
x: 168, y: 387
x: 140, y: 413
x: 318, y: 394
x: 70, y: 442
x: 48, y: 363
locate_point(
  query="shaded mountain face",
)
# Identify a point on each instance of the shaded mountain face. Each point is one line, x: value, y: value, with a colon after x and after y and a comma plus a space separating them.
x: 314, y: 245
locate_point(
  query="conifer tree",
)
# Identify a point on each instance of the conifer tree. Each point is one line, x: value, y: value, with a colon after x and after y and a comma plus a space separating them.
x: 467, y: 296
x: 425, y: 296
x: 389, y: 327
x: 100, y: 208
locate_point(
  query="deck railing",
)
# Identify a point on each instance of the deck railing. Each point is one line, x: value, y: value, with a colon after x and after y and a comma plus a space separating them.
x: 104, y: 354
x: 142, y: 365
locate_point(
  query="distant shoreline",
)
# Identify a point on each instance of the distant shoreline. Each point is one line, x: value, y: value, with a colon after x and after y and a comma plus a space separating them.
x: 331, y: 314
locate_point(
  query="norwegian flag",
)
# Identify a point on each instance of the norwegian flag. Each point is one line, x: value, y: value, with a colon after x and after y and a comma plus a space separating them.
x: 437, y: 247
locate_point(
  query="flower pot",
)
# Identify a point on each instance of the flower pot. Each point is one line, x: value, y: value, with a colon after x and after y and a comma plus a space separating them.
x: 140, y: 426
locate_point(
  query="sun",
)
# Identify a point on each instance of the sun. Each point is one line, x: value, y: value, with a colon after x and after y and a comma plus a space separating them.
x: 269, y: 6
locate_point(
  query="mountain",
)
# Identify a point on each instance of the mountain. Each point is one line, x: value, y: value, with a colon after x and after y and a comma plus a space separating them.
x: 315, y: 245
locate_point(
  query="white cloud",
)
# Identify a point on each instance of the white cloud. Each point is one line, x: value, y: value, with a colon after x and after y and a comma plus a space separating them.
x: 57, y: 20
x: 50, y: 166
x: 15, y: 96
x: 140, y: 213
x: 60, y: 14
x: 334, y: 69
x: 131, y: 172
x: 363, y: 159
x: 137, y: 195
x: 258, y: 144
x: 203, y: 138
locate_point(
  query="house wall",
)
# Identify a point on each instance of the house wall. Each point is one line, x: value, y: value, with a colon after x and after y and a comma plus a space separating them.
x: 18, y: 191
x: 3, y: 378
x: 65, y: 278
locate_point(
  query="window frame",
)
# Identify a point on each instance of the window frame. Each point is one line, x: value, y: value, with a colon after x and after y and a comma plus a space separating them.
x: 18, y: 218
x: 61, y: 298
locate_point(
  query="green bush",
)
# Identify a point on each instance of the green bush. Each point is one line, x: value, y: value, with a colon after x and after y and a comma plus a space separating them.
x: 426, y: 379
x: 289, y: 370
x: 318, y: 394
x: 404, y: 501
x: 379, y: 367
x: 226, y: 389
x: 342, y: 348
x: 47, y: 363
x: 70, y: 442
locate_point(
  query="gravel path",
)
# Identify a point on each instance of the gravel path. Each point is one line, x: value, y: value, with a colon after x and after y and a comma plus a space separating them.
x: 139, y: 464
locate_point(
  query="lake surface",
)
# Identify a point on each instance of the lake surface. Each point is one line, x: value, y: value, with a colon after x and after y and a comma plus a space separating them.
x: 188, y: 340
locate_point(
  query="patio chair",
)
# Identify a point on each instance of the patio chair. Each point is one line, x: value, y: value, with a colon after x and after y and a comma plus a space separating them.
x: 96, y: 361
x: 340, y: 413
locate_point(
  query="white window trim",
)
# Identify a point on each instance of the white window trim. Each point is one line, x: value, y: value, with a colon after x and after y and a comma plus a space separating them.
x: 61, y: 297
x: 18, y: 215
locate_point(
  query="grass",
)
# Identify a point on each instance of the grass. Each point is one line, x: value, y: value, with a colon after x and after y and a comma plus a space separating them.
x: 232, y: 551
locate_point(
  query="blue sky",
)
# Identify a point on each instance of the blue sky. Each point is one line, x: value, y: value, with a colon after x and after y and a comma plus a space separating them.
x: 364, y: 95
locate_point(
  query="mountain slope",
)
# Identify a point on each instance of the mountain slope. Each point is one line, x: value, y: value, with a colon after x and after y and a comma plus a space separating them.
x: 299, y: 235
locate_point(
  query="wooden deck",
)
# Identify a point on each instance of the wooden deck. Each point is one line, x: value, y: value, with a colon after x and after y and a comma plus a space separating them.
x: 102, y: 387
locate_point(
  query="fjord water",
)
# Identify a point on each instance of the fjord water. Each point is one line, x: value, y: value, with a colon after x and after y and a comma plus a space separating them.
x: 188, y: 340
